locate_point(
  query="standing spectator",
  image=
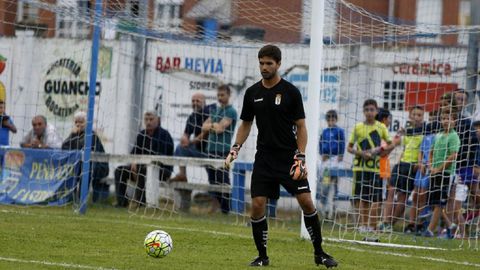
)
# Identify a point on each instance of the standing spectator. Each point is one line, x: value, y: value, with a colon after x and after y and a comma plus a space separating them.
x: 442, y: 166
x: 42, y: 135
x: 474, y: 187
x: 367, y: 136
x: 403, y: 174
x: 220, y: 127
x: 332, y: 149
x: 461, y: 100
x: 7, y: 125
x: 192, y: 147
x: 385, y: 117
x: 98, y: 170
x: 153, y: 140
x: 465, y: 158
x: 422, y: 179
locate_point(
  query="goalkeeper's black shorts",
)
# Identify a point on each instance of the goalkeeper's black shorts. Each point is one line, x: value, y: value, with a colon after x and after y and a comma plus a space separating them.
x: 272, y: 169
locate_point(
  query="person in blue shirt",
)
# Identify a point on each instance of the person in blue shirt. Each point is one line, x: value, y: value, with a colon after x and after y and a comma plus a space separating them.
x: 7, y: 125
x: 332, y: 149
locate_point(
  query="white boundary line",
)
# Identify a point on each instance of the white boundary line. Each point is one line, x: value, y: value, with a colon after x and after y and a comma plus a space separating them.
x: 244, y: 237
x: 407, y: 256
x: 378, y: 244
x: 66, y: 265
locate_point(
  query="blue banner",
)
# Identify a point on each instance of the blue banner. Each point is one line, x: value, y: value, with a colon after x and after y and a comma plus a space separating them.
x: 35, y: 176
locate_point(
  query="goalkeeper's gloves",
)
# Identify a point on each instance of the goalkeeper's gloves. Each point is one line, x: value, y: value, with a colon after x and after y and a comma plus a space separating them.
x: 299, y: 168
x: 232, y: 155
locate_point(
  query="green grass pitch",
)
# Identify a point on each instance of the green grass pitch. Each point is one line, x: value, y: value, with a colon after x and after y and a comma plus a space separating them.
x: 108, y: 238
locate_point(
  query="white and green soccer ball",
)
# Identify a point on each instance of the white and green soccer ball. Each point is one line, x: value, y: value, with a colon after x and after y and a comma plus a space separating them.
x: 158, y: 244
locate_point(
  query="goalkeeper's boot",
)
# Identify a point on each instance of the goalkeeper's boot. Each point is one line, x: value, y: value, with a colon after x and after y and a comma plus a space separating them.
x: 325, y: 259
x: 260, y: 261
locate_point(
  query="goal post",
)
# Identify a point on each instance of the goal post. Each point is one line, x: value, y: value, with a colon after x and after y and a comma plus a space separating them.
x: 85, y: 185
x: 315, y: 108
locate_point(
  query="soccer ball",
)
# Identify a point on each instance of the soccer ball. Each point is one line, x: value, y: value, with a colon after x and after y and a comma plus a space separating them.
x: 158, y: 244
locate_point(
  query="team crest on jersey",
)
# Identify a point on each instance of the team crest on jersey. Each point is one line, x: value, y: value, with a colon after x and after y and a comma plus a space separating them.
x: 278, y: 99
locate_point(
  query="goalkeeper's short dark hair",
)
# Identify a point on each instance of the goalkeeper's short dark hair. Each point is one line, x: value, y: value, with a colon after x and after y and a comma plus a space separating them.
x: 271, y: 51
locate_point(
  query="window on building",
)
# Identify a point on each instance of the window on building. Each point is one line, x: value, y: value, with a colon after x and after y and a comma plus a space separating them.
x: 394, y: 95
x: 429, y: 20
x: 69, y: 26
x: 168, y: 14
x: 27, y: 12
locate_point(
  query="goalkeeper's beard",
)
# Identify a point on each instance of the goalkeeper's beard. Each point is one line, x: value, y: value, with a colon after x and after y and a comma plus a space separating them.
x: 268, y: 75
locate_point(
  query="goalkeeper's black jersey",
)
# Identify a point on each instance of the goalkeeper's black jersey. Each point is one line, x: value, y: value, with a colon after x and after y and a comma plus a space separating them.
x: 275, y: 110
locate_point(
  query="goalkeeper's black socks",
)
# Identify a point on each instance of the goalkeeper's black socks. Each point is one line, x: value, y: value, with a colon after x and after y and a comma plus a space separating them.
x: 313, y: 227
x: 260, y: 235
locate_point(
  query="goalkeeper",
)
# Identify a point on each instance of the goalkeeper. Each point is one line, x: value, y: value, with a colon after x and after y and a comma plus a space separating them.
x: 277, y: 108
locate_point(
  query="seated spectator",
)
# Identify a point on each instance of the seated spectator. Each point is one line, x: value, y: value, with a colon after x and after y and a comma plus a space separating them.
x: 43, y: 135
x: 220, y: 127
x: 98, y: 170
x: 7, y: 125
x: 153, y: 140
x: 192, y: 147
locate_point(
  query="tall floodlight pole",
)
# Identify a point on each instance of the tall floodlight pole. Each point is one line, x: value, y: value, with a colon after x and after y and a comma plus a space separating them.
x: 313, y: 109
x: 85, y: 183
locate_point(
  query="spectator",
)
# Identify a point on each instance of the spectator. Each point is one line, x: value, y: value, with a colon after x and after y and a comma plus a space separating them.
x: 367, y: 136
x: 43, y: 135
x: 474, y: 187
x: 403, y: 174
x: 385, y: 117
x: 153, y: 140
x: 98, y: 170
x: 461, y: 100
x: 442, y: 166
x: 422, y: 179
x: 332, y: 149
x: 7, y: 125
x: 195, y: 147
x: 465, y: 156
x: 220, y: 127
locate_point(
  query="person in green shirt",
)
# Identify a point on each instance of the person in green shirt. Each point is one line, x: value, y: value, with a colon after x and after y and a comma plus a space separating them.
x: 220, y: 127
x: 442, y: 166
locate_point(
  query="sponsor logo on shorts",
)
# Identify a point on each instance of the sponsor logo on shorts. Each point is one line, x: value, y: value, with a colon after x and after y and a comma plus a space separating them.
x: 304, y: 187
x: 258, y: 100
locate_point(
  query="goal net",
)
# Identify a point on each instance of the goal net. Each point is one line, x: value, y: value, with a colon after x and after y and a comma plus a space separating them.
x: 170, y: 83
